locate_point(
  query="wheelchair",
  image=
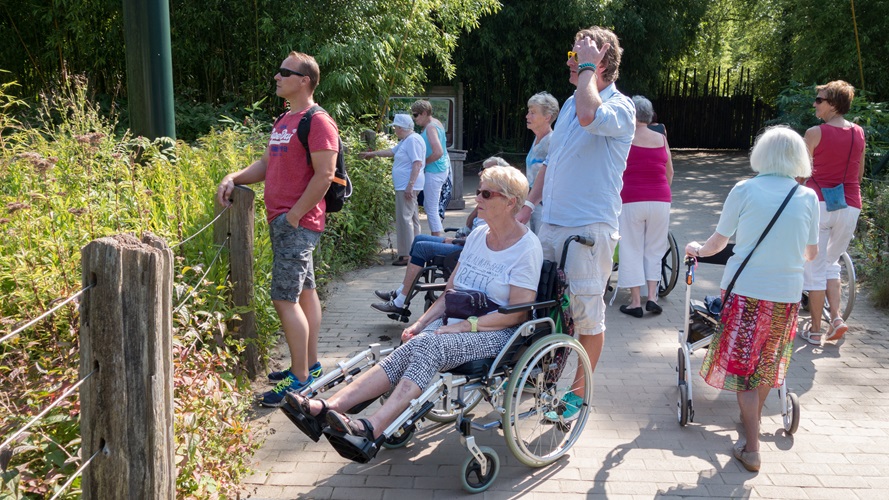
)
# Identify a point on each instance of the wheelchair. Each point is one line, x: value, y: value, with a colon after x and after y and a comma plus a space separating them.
x: 525, y: 384
x: 700, y: 326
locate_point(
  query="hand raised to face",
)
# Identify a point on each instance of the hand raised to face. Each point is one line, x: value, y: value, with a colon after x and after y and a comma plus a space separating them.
x: 588, y: 52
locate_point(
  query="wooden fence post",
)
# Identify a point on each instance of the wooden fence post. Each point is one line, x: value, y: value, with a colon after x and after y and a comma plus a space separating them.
x: 237, y: 225
x: 126, y: 336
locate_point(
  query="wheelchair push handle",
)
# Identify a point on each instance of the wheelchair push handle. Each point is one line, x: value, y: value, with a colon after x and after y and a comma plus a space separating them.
x: 690, y: 270
x: 578, y: 238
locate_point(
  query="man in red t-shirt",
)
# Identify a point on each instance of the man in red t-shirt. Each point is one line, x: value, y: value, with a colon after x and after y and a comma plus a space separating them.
x: 294, y: 201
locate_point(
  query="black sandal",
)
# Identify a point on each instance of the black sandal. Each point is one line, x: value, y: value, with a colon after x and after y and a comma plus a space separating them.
x: 350, y: 439
x: 299, y: 412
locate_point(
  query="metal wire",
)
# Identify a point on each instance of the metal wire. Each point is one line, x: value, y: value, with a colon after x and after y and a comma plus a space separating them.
x: 47, y: 313
x: 46, y: 410
x: 76, y: 474
x: 209, y: 267
x: 202, y: 229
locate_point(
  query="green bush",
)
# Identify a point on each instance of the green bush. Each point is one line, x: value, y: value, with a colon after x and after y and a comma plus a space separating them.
x: 66, y: 179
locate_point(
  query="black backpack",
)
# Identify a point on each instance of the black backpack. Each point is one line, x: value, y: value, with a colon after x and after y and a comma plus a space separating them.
x: 341, y: 186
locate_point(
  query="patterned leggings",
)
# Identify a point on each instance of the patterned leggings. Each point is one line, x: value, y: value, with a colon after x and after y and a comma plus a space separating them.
x: 428, y: 354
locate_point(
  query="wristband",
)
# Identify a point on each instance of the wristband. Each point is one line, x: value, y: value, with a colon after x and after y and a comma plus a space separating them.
x: 588, y: 68
x: 586, y: 65
x: 529, y: 205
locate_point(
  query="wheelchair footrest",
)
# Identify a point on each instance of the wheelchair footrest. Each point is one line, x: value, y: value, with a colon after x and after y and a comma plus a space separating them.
x: 355, y: 448
x: 309, y: 427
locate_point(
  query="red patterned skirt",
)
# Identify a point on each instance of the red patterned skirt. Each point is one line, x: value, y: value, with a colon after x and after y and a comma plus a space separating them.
x: 752, y: 348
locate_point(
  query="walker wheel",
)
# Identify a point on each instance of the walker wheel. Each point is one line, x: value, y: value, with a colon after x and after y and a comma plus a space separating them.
x: 791, y: 418
x: 683, y: 403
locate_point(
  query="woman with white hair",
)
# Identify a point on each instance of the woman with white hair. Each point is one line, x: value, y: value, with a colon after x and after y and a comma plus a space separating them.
x: 407, y: 177
x: 645, y: 212
x: 751, y: 351
x: 543, y: 109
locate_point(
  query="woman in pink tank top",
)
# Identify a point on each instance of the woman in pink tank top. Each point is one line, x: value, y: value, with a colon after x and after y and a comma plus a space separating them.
x: 837, y: 148
x: 645, y: 214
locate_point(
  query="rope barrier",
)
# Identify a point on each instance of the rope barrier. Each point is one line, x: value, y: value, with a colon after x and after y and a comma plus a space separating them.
x: 46, y: 410
x: 47, y: 313
x: 76, y: 474
x: 186, y: 240
x: 209, y: 267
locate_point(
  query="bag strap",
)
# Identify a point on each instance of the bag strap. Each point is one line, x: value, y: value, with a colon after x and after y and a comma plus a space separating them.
x: 731, y: 285
x: 304, y: 127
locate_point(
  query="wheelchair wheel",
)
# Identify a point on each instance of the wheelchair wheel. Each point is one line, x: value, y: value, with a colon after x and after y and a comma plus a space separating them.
x: 471, y: 476
x: 791, y: 413
x: 398, y: 440
x: 471, y: 398
x: 669, y: 267
x: 683, y: 404
x: 539, y: 425
x: 847, y: 287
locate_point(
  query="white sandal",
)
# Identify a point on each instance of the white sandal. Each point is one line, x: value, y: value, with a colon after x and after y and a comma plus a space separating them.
x: 837, y: 330
x: 808, y: 334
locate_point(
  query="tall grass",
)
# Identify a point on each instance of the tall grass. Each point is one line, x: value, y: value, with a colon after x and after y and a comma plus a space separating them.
x: 66, y: 179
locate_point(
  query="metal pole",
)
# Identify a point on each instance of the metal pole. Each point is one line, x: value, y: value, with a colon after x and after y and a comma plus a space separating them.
x: 149, y: 67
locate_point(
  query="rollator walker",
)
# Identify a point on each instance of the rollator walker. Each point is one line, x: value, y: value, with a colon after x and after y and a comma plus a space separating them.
x: 700, y: 326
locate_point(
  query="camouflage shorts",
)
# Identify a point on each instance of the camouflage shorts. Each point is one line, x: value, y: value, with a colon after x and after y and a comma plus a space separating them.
x: 292, y: 269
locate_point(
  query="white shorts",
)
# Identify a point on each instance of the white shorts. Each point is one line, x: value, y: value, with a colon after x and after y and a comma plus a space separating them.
x: 587, y: 268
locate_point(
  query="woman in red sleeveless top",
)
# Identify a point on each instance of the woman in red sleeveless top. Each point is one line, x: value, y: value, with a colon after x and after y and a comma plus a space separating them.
x: 645, y: 214
x: 837, y: 149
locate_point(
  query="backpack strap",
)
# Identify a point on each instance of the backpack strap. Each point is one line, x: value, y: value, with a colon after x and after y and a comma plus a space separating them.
x: 304, y: 127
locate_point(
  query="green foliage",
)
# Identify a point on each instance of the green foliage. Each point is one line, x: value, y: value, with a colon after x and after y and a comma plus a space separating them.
x: 521, y: 51
x: 65, y: 179
x: 782, y: 41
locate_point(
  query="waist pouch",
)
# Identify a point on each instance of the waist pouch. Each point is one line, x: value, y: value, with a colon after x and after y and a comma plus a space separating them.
x: 462, y: 304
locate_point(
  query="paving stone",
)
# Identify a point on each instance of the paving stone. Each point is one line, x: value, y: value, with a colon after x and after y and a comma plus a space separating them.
x: 632, y: 446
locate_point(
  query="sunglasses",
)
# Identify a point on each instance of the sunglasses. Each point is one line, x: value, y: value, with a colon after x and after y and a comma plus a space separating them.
x: 572, y: 55
x: 415, y: 114
x: 284, y: 72
x: 486, y: 194
x: 819, y: 100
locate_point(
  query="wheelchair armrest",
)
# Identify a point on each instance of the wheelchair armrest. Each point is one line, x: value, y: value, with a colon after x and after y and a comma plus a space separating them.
x: 434, y: 287
x: 527, y: 306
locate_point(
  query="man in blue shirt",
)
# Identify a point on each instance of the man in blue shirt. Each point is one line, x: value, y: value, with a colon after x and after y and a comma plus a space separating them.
x: 580, y: 185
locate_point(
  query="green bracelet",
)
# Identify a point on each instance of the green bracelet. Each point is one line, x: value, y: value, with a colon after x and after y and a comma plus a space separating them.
x: 586, y: 65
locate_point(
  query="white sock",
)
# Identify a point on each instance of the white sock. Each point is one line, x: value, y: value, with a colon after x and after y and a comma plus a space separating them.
x: 399, y: 289
x: 399, y: 301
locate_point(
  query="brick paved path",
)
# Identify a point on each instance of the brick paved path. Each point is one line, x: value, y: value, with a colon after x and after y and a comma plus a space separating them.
x: 632, y: 446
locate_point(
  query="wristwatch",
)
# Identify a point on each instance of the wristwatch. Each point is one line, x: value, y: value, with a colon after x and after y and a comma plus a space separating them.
x: 473, y: 323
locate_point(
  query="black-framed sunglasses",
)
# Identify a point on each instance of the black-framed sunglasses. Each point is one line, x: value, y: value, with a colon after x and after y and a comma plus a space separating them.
x: 486, y: 193
x: 819, y: 100
x: 415, y: 114
x: 284, y: 72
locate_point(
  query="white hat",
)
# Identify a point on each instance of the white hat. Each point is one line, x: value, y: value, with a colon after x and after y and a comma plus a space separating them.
x: 403, y: 121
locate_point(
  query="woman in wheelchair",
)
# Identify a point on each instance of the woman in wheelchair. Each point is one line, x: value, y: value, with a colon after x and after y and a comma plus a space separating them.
x: 502, y: 260
x: 424, y: 248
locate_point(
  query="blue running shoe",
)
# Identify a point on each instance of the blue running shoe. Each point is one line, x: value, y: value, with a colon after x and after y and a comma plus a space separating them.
x: 275, y: 397
x: 315, y: 371
x: 572, y: 403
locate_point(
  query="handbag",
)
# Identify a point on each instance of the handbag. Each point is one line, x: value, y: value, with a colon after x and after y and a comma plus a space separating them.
x: 714, y: 303
x: 461, y: 304
x: 835, y: 197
